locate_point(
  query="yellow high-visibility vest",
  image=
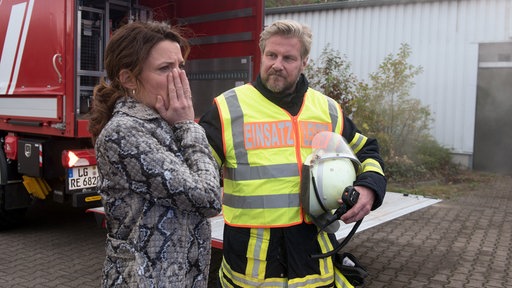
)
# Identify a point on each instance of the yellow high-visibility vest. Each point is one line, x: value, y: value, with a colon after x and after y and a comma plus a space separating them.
x: 265, y: 147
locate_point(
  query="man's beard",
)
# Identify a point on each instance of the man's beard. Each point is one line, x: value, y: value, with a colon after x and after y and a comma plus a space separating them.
x: 278, y: 86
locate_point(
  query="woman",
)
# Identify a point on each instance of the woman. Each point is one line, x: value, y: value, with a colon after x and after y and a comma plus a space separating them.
x: 159, y: 183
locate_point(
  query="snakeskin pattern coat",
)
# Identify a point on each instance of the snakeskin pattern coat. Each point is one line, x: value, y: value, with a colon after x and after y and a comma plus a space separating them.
x: 159, y: 186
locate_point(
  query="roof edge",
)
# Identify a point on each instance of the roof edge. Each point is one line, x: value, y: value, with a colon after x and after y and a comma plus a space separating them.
x: 343, y: 5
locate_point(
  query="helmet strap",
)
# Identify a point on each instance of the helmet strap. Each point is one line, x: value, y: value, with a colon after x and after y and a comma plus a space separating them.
x: 317, y: 194
x: 340, y: 245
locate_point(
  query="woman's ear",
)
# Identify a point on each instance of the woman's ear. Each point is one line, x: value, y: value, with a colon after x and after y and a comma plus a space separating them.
x: 127, y: 80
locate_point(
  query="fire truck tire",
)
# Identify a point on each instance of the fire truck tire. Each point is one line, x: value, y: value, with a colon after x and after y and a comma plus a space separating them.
x: 9, y: 218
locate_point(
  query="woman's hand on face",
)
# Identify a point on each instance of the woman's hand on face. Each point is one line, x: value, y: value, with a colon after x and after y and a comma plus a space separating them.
x: 177, y: 105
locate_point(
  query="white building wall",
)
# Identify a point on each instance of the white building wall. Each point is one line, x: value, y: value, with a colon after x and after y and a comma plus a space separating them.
x: 443, y: 36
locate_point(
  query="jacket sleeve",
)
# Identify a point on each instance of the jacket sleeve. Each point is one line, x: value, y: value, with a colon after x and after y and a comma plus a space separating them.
x: 366, y: 149
x: 210, y: 122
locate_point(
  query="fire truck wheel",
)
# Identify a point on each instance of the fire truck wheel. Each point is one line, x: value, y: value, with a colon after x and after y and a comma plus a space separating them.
x: 9, y: 218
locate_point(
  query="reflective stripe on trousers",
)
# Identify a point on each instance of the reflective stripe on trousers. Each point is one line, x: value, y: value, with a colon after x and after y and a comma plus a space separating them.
x: 278, y: 257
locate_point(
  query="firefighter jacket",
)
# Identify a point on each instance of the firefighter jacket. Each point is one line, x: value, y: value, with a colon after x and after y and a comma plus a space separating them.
x: 285, y: 111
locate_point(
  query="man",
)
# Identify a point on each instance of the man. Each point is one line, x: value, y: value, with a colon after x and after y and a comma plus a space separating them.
x: 257, y: 133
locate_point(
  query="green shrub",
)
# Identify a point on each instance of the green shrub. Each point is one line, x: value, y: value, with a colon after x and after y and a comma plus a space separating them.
x: 436, y: 160
x: 333, y: 76
x: 383, y: 109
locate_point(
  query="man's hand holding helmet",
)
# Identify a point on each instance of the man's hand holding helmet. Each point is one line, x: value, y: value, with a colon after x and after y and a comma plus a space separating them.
x: 362, y: 207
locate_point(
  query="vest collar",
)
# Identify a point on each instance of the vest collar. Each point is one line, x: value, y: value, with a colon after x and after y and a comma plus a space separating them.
x: 291, y: 102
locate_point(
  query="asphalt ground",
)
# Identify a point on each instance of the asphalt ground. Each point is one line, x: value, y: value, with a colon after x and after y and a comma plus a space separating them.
x: 465, y: 241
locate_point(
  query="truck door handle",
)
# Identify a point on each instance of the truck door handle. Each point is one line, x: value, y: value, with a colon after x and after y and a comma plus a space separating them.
x: 57, y: 57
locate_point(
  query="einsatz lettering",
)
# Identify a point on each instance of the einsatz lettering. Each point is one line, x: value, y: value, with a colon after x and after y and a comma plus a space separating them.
x: 268, y: 134
x: 277, y: 134
x: 310, y: 129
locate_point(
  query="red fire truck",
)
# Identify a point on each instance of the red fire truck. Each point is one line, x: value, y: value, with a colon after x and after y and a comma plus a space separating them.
x: 51, y: 58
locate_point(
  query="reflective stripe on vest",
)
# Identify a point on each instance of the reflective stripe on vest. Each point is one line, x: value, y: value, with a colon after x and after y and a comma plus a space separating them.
x: 264, y: 147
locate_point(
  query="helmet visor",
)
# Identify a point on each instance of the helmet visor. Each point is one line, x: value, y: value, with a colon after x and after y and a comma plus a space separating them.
x: 328, y: 145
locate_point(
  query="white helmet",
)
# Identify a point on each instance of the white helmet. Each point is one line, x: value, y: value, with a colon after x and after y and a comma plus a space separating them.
x: 331, y: 167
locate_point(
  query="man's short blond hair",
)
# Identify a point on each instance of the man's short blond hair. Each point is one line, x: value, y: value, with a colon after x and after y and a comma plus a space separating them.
x: 288, y: 28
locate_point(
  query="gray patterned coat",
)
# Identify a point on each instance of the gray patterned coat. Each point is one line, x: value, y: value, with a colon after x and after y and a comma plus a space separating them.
x: 159, y: 186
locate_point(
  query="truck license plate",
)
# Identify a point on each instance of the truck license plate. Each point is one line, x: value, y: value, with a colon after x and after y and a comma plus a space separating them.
x: 82, y: 177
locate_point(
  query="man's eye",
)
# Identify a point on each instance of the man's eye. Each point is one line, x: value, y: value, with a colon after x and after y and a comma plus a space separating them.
x: 289, y: 59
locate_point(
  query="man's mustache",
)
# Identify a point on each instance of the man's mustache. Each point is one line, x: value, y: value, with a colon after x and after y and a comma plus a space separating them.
x: 276, y: 74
